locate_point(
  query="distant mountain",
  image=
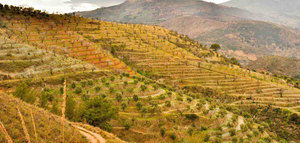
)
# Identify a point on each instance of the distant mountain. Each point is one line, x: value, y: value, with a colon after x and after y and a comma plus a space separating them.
x: 208, y: 23
x: 285, y: 12
x: 277, y: 65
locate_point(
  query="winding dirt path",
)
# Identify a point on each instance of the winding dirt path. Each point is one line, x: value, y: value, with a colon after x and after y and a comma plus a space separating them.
x: 91, y: 136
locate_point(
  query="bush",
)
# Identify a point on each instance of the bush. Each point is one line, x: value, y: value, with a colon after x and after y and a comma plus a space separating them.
x: 162, y: 131
x: 168, y: 103
x: 215, y: 47
x: 112, y: 78
x: 192, y: 117
x: 135, y: 98
x: 143, y: 88
x: 232, y: 132
x: 139, y: 105
x: 90, y: 83
x: 119, y: 97
x: 173, y: 136
x: 206, y: 138
x: 73, y: 85
x: 97, y: 88
x: 25, y: 93
x: 127, y: 125
x: 99, y: 111
x: 124, y: 106
x: 190, y: 131
x: 70, y: 107
x: 189, y: 99
x: 78, y: 90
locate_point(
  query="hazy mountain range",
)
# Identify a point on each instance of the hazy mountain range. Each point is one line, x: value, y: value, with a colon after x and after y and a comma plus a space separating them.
x: 285, y: 12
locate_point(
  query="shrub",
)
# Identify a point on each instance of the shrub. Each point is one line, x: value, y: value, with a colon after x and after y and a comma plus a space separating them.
x: 124, y: 106
x: 83, y: 83
x: 192, y: 117
x: 232, y: 132
x: 162, y: 131
x: 70, y: 107
x: 203, y: 128
x: 111, y: 90
x: 25, y: 93
x: 90, y: 83
x: 127, y: 125
x: 135, y: 98
x: 189, y: 99
x: 168, y: 103
x: 119, y: 97
x: 139, y: 105
x: 173, y: 136
x: 112, y: 78
x: 215, y: 47
x: 199, y: 106
x: 206, y: 138
x: 78, y: 90
x: 190, y: 131
x: 294, y: 118
x: 85, y: 97
x: 73, y: 85
x: 179, y: 98
x: 143, y: 88
x: 99, y: 111
x: 97, y: 88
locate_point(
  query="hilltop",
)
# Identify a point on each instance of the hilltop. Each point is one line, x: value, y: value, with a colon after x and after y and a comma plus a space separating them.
x: 208, y: 23
x: 143, y: 83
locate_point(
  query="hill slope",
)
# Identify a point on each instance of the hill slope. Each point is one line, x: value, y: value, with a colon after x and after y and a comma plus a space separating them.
x: 48, y: 126
x: 285, y: 12
x: 204, y: 22
x: 176, y: 84
x: 277, y: 65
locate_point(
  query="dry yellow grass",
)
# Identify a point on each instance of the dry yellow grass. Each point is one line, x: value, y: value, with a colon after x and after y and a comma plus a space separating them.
x: 8, y: 138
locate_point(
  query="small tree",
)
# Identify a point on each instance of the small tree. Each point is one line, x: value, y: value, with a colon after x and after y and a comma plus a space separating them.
x: 135, y: 98
x: 25, y: 93
x: 70, y: 107
x: 173, y: 136
x: 162, y: 131
x: 119, y: 97
x: 127, y: 125
x: 215, y: 47
x: 124, y: 106
x: 139, y: 105
x: 99, y: 111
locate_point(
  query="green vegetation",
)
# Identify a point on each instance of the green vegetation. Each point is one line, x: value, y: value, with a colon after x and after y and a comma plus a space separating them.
x: 142, y: 83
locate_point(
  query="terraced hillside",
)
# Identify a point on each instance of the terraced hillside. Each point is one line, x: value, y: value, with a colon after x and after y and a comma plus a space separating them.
x: 60, y: 34
x: 148, y: 84
x: 23, y: 61
x: 142, y: 102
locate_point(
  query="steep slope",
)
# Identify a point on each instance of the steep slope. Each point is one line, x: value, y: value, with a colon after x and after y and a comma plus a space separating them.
x: 48, y: 127
x: 285, y: 12
x: 192, y: 94
x: 208, y: 23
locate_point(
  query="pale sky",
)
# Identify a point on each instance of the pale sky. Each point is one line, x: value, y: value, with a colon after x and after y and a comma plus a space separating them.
x: 66, y: 6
